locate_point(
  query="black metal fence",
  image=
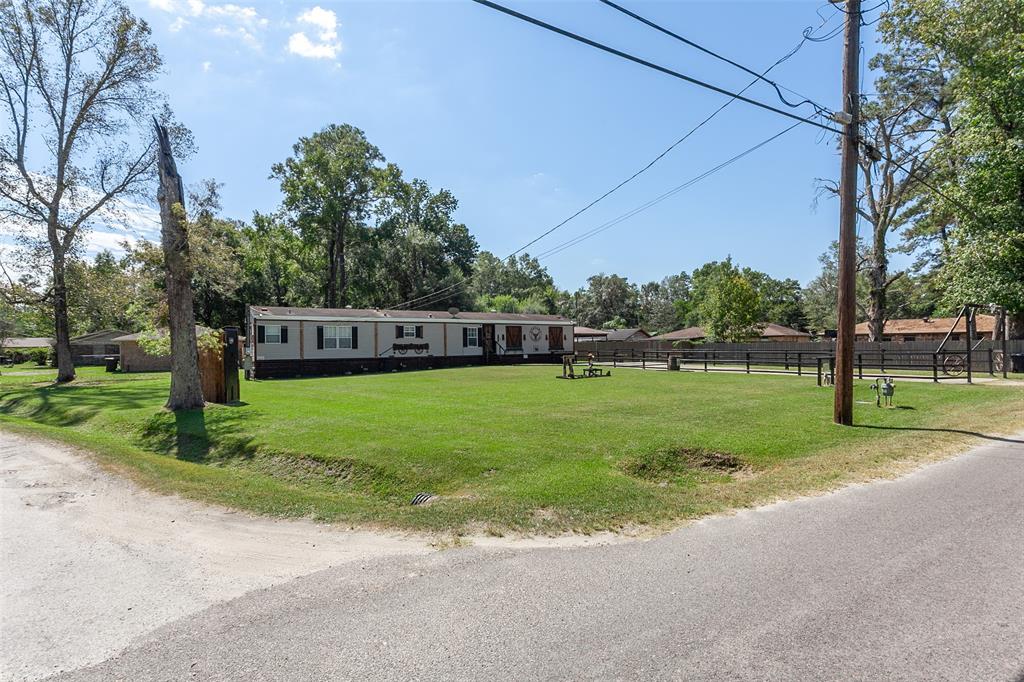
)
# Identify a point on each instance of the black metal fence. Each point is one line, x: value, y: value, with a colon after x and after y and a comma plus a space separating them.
x: 819, y: 360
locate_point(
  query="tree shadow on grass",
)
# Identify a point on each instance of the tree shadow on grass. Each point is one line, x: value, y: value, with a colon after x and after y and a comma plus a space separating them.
x: 199, y: 436
x: 964, y: 432
x: 57, y: 405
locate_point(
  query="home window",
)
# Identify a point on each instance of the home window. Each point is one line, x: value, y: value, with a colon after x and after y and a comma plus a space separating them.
x: 907, y: 338
x: 472, y: 337
x: 409, y: 331
x: 337, y: 337
x: 271, y: 333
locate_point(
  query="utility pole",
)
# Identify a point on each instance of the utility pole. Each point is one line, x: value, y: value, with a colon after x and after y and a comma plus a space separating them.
x: 847, y: 300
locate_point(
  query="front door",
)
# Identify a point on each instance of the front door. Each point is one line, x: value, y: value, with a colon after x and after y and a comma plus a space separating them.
x: 554, y: 338
x: 488, y: 339
x: 514, y: 338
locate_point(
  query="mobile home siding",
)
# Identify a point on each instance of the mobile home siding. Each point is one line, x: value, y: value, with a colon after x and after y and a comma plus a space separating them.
x: 381, y: 343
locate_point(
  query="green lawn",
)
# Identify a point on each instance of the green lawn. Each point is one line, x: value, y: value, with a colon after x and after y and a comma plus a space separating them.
x: 504, y: 448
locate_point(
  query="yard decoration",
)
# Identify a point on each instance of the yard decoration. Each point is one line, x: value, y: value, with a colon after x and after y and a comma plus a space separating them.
x: 590, y: 371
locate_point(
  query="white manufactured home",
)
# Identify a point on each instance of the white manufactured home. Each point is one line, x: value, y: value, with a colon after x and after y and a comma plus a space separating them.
x: 319, y: 341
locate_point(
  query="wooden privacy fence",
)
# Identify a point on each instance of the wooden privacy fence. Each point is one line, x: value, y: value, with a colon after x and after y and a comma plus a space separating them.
x: 817, y: 358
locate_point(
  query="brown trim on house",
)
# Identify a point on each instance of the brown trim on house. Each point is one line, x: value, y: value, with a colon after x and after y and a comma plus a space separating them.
x: 278, y: 369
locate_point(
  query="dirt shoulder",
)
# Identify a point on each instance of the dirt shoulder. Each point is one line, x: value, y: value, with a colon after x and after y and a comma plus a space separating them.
x: 90, y: 561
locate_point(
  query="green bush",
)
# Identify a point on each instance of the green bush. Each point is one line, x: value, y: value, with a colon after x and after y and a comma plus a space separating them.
x: 40, y: 356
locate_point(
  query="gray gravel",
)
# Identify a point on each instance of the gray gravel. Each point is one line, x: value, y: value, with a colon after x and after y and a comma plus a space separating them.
x: 918, y: 578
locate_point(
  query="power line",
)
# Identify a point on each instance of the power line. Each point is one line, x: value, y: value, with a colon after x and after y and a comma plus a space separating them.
x: 657, y: 200
x: 428, y: 299
x: 819, y: 109
x: 651, y: 65
x: 807, y: 36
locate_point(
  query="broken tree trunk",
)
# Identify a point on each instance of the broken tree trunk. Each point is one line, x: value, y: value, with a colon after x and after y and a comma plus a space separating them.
x: 186, y: 387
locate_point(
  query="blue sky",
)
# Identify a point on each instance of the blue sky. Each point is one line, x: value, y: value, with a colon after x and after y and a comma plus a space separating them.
x: 524, y: 126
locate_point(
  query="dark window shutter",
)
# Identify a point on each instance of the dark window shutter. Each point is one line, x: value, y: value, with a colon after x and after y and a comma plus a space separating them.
x: 465, y: 336
x: 398, y: 331
x: 419, y: 331
x: 319, y: 337
x: 284, y: 334
x: 355, y: 337
x: 261, y: 333
x: 480, y: 337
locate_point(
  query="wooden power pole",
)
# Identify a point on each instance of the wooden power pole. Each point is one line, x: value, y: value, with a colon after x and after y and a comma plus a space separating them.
x: 847, y: 300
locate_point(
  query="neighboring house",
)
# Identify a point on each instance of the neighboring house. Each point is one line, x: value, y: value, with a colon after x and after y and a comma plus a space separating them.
x: 589, y: 334
x: 319, y: 341
x: 687, y: 334
x: 23, y: 342
x: 135, y: 359
x: 17, y: 348
x: 771, y: 333
x: 776, y: 332
x: 930, y: 329
x: 90, y: 349
x: 635, y: 334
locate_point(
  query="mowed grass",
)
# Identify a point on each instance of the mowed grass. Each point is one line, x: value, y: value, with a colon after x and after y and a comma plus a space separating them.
x: 505, y: 448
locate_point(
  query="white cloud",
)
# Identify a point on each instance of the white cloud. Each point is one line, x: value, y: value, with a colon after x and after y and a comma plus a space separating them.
x: 324, y: 19
x: 299, y: 44
x: 327, y: 45
x: 229, y: 20
x: 207, y: 67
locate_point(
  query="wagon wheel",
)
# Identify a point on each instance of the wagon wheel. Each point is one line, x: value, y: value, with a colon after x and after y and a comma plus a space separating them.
x: 402, y: 351
x: 953, y: 365
x: 997, y: 362
x: 419, y: 351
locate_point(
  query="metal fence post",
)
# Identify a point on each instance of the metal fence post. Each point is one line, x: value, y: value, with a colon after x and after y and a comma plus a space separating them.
x: 785, y: 357
x: 799, y: 364
x: 882, y: 351
x: 615, y: 358
x: 705, y: 361
x: 819, y: 369
x: 991, y: 363
x: 935, y: 367
x: 748, y: 361
x: 832, y: 370
x: 860, y: 365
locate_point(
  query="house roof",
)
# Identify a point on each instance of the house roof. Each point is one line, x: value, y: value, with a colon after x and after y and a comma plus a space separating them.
x: 772, y: 329
x: 200, y: 330
x: 931, y: 325
x: 696, y: 333
x: 382, y: 315
x: 589, y: 331
x: 624, y: 334
x: 99, y: 337
x: 27, y: 342
x: 687, y: 334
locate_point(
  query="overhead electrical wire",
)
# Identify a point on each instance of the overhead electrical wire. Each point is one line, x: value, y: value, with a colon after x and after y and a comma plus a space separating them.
x: 629, y: 214
x: 651, y: 65
x: 819, y: 108
x: 807, y: 35
x: 657, y: 200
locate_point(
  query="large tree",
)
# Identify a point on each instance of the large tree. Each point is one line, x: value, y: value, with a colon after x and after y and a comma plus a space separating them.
x: 981, y: 153
x: 75, y: 83
x: 419, y: 247
x: 329, y: 186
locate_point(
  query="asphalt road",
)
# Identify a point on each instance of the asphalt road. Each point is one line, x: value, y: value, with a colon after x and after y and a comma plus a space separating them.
x: 918, y: 578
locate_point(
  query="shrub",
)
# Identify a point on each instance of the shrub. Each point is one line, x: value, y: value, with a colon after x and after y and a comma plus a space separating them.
x: 40, y: 356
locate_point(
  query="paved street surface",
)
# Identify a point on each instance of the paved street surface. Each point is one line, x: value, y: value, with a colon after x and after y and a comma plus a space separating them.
x: 918, y: 578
